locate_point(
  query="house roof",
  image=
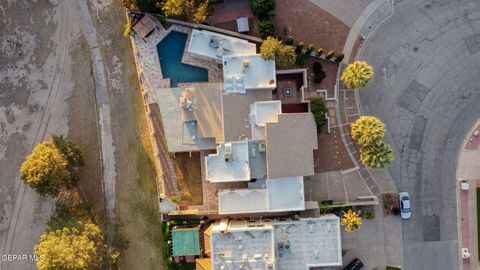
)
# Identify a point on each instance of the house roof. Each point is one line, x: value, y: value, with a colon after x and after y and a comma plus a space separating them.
x: 277, y: 244
x: 214, y: 46
x: 203, y: 264
x: 241, y: 72
x: 202, y: 103
x: 279, y: 195
x: 236, y: 111
x: 289, y: 145
x: 229, y: 164
x: 181, y: 136
x: 185, y: 242
x: 145, y: 26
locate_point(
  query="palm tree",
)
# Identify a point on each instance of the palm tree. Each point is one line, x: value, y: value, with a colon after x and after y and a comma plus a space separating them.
x: 367, y: 129
x: 357, y: 75
x: 351, y: 220
x: 376, y: 155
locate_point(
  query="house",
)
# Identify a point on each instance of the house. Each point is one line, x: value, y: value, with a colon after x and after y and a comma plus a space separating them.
x: 286, y: 244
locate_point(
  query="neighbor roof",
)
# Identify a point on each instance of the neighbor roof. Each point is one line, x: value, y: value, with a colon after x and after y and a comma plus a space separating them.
x: 241, y: 72
x: 236, y: 111
x: 206, y: 44
x: 229, y: 164
x: 205, y: 107
x: 185, y: 242
x: 290, y: 143
x: 277, y: 244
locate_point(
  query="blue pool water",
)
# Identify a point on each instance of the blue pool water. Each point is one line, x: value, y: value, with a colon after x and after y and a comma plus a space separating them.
x: 170, y: 51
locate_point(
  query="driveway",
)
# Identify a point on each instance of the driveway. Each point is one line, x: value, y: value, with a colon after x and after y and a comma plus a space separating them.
x: 425, y: 89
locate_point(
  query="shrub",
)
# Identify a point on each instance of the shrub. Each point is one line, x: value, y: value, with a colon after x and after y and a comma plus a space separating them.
x: 319, y: 111
x: 339, y: 58
x: 286, y: 56
x: 299, y: 47
x: 301, y: 58
x: 369, y: 215
x: 266, y: 28
x: 269, y: 48
x: 318, y: 77
x: 317, y: 67
x: 329, y: 54
x: 289, y: 41
x: 357, y: 74
x: 127, y: 30
x: 262, y: 8
x: 310, y: 48
x: 319, y: 51
x: 186, y: 10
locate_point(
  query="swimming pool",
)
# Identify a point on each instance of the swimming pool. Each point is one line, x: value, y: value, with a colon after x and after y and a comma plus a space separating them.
x: 170, y: 51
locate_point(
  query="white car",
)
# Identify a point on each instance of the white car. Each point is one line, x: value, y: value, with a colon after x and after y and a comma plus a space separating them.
x: 405, y: 211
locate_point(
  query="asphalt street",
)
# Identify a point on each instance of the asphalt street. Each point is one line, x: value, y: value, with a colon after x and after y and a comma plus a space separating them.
x: 426, y: 89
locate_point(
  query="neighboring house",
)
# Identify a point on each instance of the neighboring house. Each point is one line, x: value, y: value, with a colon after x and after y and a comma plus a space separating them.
x: 272, y: 244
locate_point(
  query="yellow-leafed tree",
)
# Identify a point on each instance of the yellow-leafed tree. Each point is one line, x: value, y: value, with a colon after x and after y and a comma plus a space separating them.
x: 269, y: 48
x: 79, y: 248
x: 186, y: 10
x: 351, y: 220
x: 286, y: 56
x: 357, y: 74
x: 46, y: 169
x: 367, y: 129
x: 376, y: 155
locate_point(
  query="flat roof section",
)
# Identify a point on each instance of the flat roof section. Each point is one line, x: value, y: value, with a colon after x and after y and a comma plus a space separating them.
x: 185, y: 242
x: 289, y: 145
x: 202, y: 102
x: 214, y: 46
x: 280, y: 195
x: 229, y: 164
x: 181, y: 136
x: 277, y: 244
x: 248, y: 72
x: 266, y: 112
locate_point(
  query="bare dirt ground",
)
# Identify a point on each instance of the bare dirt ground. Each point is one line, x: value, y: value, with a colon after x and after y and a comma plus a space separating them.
x: 189, y: 178
x: 49, y: 83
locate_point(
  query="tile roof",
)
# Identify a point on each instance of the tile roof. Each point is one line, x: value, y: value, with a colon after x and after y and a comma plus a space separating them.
x: 290, y: 143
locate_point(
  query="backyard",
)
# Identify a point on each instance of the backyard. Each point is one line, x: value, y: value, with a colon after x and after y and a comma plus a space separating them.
x: 189, y: 178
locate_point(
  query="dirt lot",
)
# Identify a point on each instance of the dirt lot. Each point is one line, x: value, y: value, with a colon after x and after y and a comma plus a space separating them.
x: 189, y: 178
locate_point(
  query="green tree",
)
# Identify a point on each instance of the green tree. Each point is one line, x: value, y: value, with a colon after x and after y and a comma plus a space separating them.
x: 70, y: 150
x: 286, y: 56
x: 186, y: 10
x: 266, y: 28
x: 357, y: 75
x: 367, y: 129
x: 262, y: 8
x: 46, y: 169
x: 79, y: 247
x: 269, y: 48
x: 319, y: 110
x: 376, y: 155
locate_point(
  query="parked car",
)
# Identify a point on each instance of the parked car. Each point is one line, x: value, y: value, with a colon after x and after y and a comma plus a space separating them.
x: 356, y: 264
x: 405, y: 210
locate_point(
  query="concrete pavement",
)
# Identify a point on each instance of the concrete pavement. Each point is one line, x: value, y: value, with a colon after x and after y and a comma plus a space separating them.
x: 426, y: 90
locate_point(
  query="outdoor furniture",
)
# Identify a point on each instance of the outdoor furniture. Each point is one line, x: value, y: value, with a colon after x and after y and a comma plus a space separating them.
x: 242, y: 25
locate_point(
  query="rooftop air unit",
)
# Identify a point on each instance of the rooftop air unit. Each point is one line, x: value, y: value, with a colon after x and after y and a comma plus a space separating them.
x: 228, y: 152
x: 262, y: 147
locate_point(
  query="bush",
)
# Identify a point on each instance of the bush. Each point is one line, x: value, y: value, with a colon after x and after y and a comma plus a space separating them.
x: 301, y: 58
x: 329, y: 54
x: 299, y: 47
x: 127, y: 30
x: 289, y: 41
x: 369, y: 215
x: 286, y: 56
x: 339, y: 58
x: 318, y: 77
x: 266, y: 28
x: 319, y: 110
x: 317, y: 67
x: 262, y: 8
x: 269, y: 48
x: 396, y: 211
x: 310, y: 48
x: 320, y: 51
